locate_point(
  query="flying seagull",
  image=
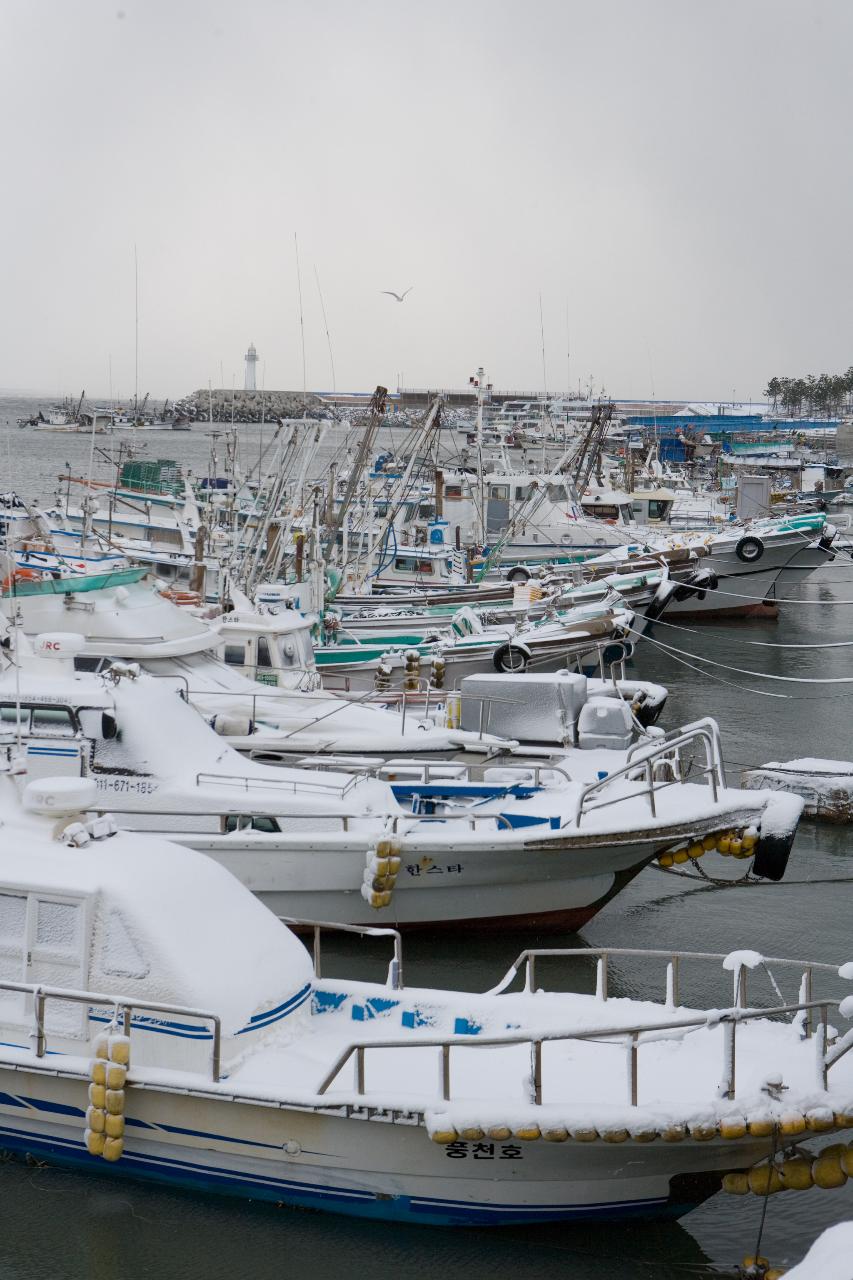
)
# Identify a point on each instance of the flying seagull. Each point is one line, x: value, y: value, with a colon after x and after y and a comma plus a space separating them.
x: 398, y: 296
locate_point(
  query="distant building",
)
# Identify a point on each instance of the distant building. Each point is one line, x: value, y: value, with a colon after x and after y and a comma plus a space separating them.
x: 251, y: 361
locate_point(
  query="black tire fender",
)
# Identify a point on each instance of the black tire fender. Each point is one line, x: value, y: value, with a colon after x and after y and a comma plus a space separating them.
x: 749, y: 550
x: 519, y: 574
x: 511, y: 658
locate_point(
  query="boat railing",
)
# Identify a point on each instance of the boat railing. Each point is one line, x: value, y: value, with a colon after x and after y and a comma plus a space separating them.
x: 643, y: 755
x: 632, y: 1037
x: 446, y: 771
x: 422, y: 695
x: 395, y: 968
x: 527, y: 961
x: 391, y: 820
x: 283, y: 784
x: 123, y: 1007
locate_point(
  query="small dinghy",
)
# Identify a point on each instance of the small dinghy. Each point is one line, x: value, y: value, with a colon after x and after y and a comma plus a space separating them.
x: 158, y: 1022
x: 826, y: 786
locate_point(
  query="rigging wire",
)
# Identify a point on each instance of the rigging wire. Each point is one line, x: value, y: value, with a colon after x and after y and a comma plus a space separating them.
x: 760, y: 675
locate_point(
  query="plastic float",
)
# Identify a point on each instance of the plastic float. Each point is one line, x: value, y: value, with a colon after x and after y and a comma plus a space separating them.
x: 184, y: 1036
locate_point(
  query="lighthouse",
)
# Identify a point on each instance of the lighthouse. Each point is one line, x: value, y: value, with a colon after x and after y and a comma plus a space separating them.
x: 251, y: 361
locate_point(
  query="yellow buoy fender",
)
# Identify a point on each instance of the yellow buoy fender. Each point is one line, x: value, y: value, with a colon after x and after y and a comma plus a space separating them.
x: 116, y: 1076
x: 555, y: 1135
x: 736, y: 1184
x: 673, y: 1133
x: 792, y: 1123
x: 827, y: 1171
x: 764, y: 1180
x: 115, y: 1101
x: 443, y: 1136
x: 114, y: 1126
x: 499, y: 1133
x: 95, y: 1119
x: 796, y: 1174
x: 820, y: 1120
x: 119, y: 1047
x: 113, y: 1148
x: 733, y: 1127
x: 94, y: 1143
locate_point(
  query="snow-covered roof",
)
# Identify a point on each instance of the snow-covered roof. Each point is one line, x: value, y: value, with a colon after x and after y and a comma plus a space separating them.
x: 167, y: 924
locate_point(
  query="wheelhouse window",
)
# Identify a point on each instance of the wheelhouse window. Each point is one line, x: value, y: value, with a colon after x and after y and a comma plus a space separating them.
x: 413, y: 564
x: 235, y: 655
x: 251, y: 822
x: 264, y: 658
x: 55, y: 721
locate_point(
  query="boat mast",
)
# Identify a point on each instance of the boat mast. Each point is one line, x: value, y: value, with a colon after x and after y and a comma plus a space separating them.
x: 136, y: 335
x: 481, y: 513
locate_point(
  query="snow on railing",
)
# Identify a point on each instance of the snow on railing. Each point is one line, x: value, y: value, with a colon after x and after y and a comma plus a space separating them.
x: 633, y: 1036
x: 124, y: 1005
x: 643, y: 755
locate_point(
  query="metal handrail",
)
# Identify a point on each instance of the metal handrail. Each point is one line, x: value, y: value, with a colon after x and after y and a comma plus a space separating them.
x: 395, y: 968
x: 428, y: 766
x: 729, y: 1018
x: 244, y: 780
x: 126, y: 1005
x: 652, y: 753
x: 344, y: 818
x: 529, y: 957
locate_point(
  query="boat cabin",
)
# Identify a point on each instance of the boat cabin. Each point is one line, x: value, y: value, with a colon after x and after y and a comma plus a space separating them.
x: 652, y: 506
x: 274, y: 649
x: 88, y: 909
x: 611, y: 505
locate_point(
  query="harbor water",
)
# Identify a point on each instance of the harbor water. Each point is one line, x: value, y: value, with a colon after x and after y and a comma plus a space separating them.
x: 60, y: 1224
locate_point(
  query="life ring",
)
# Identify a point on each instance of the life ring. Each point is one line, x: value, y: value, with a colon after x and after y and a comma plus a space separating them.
x: 511, y: 658
x: 749, y: 550
x: 19, y: 575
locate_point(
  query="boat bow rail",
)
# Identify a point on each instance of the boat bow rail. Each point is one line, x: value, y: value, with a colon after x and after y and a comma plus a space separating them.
x: 829, y: 1048
x: 643, y: 756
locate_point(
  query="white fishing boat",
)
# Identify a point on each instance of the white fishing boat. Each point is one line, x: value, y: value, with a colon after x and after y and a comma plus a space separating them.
x: 157, y: 1022
x: 118, y: 615
x: 547, y: 844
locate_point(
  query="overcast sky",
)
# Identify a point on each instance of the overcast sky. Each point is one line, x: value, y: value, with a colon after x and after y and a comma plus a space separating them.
x: 672, y: 176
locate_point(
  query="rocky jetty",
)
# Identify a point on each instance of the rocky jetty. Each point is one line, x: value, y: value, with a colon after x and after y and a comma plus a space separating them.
x: 252, y: 406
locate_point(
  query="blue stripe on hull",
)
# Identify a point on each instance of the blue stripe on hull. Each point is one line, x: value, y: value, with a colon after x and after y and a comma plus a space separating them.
x: 354, y: 1203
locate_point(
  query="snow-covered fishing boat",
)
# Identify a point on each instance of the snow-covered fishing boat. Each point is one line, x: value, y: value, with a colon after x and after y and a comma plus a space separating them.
x: 546, y: 844
x: 157, y: 1022
x: 117, y: 615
